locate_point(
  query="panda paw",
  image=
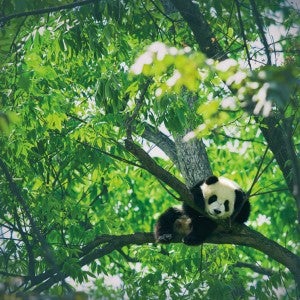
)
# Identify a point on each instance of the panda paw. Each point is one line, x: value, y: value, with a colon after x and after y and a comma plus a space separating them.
x: 165, y: 238
x: 192, y: 240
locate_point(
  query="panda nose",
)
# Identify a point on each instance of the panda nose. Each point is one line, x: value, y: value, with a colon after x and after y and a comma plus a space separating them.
x: 217, y: 212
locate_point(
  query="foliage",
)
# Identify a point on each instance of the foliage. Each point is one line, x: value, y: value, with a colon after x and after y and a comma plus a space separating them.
x: 73, y: 196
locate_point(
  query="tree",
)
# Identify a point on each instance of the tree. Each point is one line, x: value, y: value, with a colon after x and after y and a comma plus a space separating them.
x: 90, y: 88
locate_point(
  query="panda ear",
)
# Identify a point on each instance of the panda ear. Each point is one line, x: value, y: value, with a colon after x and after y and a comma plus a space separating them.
x: 198, y: 195
x: 239, y: 198
x: 195, y: 189
x: 211, y: 180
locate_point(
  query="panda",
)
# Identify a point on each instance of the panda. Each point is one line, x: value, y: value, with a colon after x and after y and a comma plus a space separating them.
x: 218, y: 197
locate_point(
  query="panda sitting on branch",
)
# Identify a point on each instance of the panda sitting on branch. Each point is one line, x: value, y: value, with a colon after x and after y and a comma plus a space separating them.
x: 218, y: 197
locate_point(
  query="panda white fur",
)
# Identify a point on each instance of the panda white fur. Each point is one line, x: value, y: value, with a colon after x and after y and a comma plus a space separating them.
x: 219, y: 198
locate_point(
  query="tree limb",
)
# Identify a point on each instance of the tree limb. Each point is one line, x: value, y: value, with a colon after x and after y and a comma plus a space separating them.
x: 50, y: 258
x: 114, y: 242
x: 41, y: 11
x: 200, y: 28
x: 260, y: 26
x: 152, y: 167
x: 156, y: 137
x: 254, y: 268
x: 240, y: 235
x: 278, y: 136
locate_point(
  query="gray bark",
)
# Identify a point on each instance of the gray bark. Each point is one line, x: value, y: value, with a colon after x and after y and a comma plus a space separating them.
x: 192, y: 160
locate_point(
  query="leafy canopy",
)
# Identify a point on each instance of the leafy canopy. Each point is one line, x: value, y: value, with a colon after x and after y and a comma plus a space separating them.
x: 67, y: 90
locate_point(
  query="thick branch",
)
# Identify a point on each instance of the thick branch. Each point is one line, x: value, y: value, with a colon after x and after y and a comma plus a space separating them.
x: 200, y: 28
x: 193, y: 160
x: 156, y: 137
x: 240, y: 235
x: 160, y: 173
x: 243, y: 235
x: 279, y: 139
x: 113, y: 243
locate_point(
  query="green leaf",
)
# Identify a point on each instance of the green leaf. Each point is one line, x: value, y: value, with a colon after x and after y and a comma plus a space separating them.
x: 230, y: 32
x: 208, y: 109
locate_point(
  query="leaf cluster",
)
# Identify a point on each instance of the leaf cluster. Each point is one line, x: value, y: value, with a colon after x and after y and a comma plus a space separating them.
x: 66, y: 96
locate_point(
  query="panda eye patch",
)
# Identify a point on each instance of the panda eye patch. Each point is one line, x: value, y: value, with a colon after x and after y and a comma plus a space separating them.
x: 226, y: 204
x: 212, y: 199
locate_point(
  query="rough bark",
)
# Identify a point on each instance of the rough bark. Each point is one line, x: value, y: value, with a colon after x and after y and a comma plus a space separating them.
x: 193, y: 160
x: 279, y: 139
x: 162, y: 141
x: 207, y: 42
x: 161, y: 174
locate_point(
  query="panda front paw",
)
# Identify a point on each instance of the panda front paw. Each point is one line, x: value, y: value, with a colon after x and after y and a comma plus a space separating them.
x: 165, y: 238
x: 192, y: 240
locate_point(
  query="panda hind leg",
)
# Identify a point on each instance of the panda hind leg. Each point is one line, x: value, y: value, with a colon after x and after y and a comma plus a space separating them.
x: 164, y: 228
x: 202, y: 229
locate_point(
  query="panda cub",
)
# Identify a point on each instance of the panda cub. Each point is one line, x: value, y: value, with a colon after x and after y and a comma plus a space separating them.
x: 218, y: 197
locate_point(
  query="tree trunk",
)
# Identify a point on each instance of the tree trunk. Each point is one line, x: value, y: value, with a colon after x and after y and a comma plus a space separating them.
x: 192, y: 160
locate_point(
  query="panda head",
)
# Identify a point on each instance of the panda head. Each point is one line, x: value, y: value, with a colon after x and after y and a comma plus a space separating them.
x: 219, y: 196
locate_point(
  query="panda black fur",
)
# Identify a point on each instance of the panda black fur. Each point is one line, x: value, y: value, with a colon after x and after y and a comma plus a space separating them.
x: 219, y: 198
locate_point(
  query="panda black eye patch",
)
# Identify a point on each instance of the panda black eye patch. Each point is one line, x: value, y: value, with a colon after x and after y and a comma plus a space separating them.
x: 226, y: 204
x: 212, y: 199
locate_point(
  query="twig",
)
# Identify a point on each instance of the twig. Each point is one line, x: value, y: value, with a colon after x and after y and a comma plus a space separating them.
x: 255, y: 268
x: 164, y: 14
x: 41, y: 11
x: 139, y: 102
x: 258, y: 173
x: 243, y: 32
x: 269, y: 192
x: 119, y: 158
x: 261, y: 30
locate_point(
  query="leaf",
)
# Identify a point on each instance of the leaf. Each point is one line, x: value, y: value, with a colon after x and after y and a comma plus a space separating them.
x: 208, y: 109
x: 230, y: 32
x: 55, y: 120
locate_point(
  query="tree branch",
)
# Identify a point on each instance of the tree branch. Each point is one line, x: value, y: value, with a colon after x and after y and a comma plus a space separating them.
x: 113, y: 243
x: 50, y: 258
x: 145, y: 159
x: 279, y: 139
x: 240, y: 235
x: 152, y: 167
x: 200, y: 28
x: 237, y: 3
x: 260, y: 26
x: 41, y: 11
x: 254, y: 268
x: 251, y: 238
x: 156, y: 137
